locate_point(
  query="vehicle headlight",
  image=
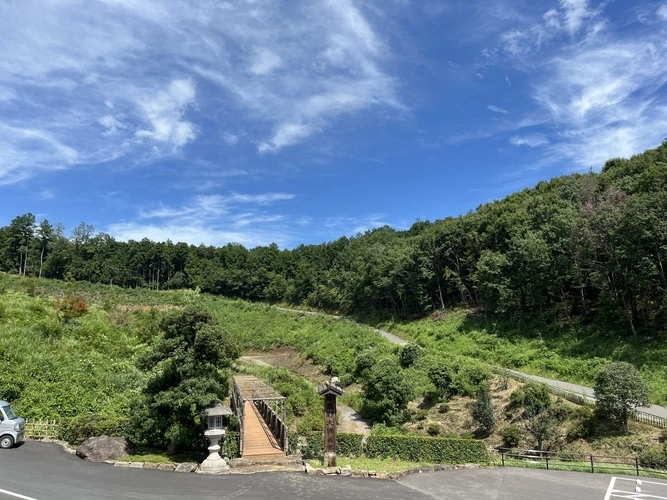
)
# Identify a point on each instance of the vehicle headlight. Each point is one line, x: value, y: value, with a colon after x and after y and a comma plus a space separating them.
x: 17, y: 427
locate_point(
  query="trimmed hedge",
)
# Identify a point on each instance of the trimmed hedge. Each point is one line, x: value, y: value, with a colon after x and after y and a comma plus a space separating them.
x: 423, y: 449
x: 349, y: 444
x: 92, y: 425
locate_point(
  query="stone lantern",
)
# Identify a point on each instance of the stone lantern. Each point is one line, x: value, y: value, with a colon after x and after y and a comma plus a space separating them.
x: 330, y: 391
x: 215, y: 432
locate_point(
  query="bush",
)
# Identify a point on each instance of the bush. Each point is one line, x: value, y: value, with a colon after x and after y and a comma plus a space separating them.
x: 481, y: 410
x: 433, y: 430
x: 71, y: 307
x: 458, y: 376
x: 231, y: 445
x: 443, y: 408
x: 424, y: 449
x: 654, y: 457
x: 409, y: 354
x: 536, y: 399
x: 511, y: 435
x: 92, y: 425
x: 349, y: 444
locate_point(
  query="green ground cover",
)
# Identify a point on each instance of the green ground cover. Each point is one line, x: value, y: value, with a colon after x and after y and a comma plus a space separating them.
x: 571, y: 353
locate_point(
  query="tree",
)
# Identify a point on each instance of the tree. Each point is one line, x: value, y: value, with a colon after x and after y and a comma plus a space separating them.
x: 186, y: 370
x: 543, y: 427
x: 387, y: 392
x: 618, y: 390
x: 481, y: 410
x: 45, y: 233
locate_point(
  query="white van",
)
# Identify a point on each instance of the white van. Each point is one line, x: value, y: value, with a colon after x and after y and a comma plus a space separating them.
x: 12, y: 428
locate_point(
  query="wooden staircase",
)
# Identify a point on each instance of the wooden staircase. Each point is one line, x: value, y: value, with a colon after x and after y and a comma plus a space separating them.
x: 258, y: 440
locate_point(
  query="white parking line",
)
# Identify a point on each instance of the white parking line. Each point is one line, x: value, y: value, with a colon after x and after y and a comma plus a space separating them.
x: 637, y: 494
x: 16, y: 495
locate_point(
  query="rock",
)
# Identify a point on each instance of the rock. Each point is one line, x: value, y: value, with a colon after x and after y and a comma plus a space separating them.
x: 99, y: 449
x: 149, y: 465
x: 345, y: 471
x: 136, y: 465
x: 169, y: 467
x: 121, y: 464
x: 186, y: 467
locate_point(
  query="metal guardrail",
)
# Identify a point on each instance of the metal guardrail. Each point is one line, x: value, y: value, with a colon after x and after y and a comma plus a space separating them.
x: 551, y: 460
x: 584, y: 400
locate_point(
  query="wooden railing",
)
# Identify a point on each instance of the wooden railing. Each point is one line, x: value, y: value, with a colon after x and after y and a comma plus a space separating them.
x: 38, y: 429
x: 578, y: 462
x: 275, y: 423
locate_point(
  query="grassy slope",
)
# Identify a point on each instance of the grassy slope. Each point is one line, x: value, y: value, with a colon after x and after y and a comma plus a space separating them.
x: 572, y: 354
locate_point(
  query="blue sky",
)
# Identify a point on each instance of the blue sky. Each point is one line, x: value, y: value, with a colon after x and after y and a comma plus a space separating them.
x: 259, y: 121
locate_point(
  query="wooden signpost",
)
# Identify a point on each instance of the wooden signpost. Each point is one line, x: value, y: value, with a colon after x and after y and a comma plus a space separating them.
x: 330, y: 391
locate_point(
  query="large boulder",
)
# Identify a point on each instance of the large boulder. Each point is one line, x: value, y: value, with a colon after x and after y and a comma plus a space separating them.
x: 99, y: 449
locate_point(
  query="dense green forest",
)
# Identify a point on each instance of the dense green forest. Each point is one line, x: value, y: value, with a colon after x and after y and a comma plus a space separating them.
x: 584, y: 247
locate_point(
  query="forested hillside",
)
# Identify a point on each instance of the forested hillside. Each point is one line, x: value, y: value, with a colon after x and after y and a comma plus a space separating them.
x: 584, y: 247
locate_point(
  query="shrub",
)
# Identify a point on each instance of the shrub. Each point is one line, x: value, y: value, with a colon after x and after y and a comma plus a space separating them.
x: 421, y: 415
x: 231, y: 445
x: 71, y: 307
x: 424, y: 449
x: 409, y: 354
x: 511, y: 436
x: 443, y: 408
x: 536, y: 399
x: 433, y: 429
x: 655, y: 457
x: 481, y: 410
x: 349, y: 444
x: 92, y: 425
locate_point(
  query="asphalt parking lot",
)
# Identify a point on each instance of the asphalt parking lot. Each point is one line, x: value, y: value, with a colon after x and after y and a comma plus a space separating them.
x: 43, y: 471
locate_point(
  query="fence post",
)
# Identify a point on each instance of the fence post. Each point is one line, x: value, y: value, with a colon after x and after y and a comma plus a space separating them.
x: 547, y: 462
x: 502, y: 458
x: 637, y: 464
x: 592, y: 465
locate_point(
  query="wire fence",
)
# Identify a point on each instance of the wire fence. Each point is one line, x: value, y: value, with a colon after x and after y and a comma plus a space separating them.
x: 39, y: 429
x: 579, y: 462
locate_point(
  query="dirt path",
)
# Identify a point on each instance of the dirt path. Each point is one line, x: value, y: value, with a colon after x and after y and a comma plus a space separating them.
x: 350, y: 420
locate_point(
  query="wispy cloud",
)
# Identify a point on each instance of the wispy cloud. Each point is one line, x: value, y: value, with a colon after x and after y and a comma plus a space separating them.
x: 213, y: 220
x: 496, y: 109
x: 152, y: 77
x: 530, y: 140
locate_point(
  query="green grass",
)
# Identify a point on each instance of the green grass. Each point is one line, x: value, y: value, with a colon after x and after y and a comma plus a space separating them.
x: 576, y: 466
x: 157, y: 456
x: 571, y: 353
x: 376, y: 464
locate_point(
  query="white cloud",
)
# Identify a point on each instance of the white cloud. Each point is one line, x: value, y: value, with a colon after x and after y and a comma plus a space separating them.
x: 662, y: 12
x: 281, y: 71
x: 530, y: 140
x: 164, y: 111
x: 265, y: 62
x: 604, y: 99
x: 572, y: 17
x: 112, y: 124
x: 496, y: 109
x: 213, y: 220
x: 230, y: 139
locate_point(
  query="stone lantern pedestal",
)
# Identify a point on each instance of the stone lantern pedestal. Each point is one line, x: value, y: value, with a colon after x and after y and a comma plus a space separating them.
x: 330, y: 391
x: 215, y: 432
